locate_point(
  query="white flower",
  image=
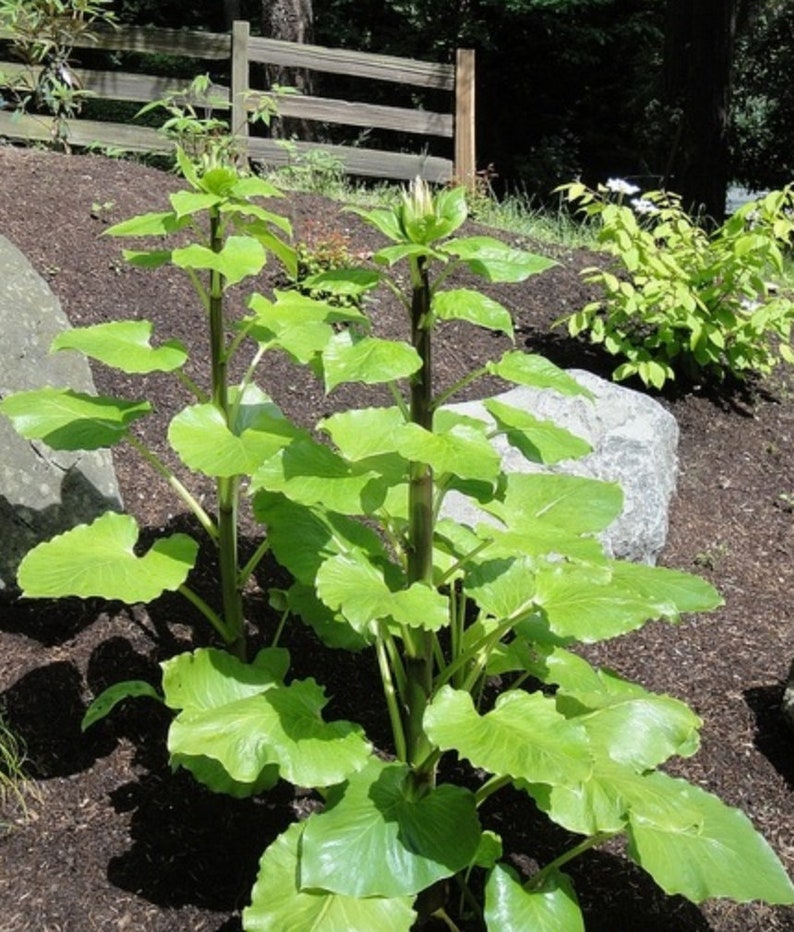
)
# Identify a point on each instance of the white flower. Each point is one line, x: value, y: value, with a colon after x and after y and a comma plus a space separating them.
x: 619, y: 186
x: 643, y: 206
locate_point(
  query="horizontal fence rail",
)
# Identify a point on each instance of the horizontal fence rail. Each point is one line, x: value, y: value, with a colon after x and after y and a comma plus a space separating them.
x: 239, y: 99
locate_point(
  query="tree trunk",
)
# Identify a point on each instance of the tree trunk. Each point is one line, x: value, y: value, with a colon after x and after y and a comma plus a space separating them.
x: 290, y: 21
x: 698, y: 55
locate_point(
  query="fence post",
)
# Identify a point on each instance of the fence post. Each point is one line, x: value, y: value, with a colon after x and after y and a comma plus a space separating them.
x: 239, y: 86
x: 465, y: 157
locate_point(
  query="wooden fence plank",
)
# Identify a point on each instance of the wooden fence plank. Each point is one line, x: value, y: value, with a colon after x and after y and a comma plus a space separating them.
x: 353, y: 64
x: 86, y: 133
x: 240, y: 68
x: 372, y: 163
x: 348, y: 113
x: 465, y: 164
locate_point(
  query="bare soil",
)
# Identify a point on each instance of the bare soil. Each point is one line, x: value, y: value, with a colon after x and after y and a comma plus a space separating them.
x: 113, y: 840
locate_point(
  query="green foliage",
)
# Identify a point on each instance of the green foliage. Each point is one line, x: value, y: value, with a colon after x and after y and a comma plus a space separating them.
x: 762, y: 103
x: 15, y: 789
x: 446, y: 608
x: 194, y: 128
x: 44, y: 37
x: 679, y: 300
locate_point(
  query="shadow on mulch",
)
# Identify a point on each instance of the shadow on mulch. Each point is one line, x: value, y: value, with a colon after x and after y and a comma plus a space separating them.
x: 772, y: 738
x: 192, y: 847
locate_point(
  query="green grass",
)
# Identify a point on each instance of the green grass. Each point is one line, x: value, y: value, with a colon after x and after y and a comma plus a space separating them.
x: 16, y: 790
x: 516, y: 214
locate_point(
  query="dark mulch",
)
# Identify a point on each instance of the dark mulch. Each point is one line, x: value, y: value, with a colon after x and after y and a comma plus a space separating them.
x: 116, y: 841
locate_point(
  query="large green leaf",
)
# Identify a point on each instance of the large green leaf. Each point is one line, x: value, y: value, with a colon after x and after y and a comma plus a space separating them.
x: 205, y: 443
x: 528, y: 369
x: 278, y: 905
x: 570, y: 504
x: 99, y: 559
x: 370, y: 360
x: 154, y: 224
x: 494, y: 260
x: 603, y: 801
x: 523, y: 737
x: 282, y: 725
x: 502, y: 588
x: 312, y: 474
x: 720, y: 855
x: 331, y: 627
x: 303, y: 537
x: 539, y: 441
x: 579, y: 604
x: 363, y: 432
x: 208, y: 678
x: 350, y: 583
x: 187, y: 203
x: 125, y: 345
x: 474, y: 307
x: 509, y: 906
x: 297, y: 324
x: 462, y: 451
x: 633, y: 726
x: 240, y: 257
x: 213, y: 775
x: 672, y: 590
x: 378, y: 837
x: 69, y: 420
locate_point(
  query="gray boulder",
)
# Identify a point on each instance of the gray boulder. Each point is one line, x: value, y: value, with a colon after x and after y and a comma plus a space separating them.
x: 634, y: 442
x: 42, y: 491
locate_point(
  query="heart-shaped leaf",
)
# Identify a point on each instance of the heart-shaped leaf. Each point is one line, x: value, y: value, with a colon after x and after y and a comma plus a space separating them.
x: 282, y: 726
x: 720, y: 855
x: 240, y: 257
x: 278, y: 904
x: 351, y: 584
x: 364, y: 432
x: 552, y: 907
x: 99, y: 560
x: 537, y: 371
x: 523, y: 737
x: 462, y: 451
x: 474, y: 307
x: 495, y: 261
x: 400, y: 842
x: 539, y: 441
x: 69, y: 420
x: 123, y: 344
x: 370, y: 360
x: 310, y: 473
x: 206, y: 443
x: 208, y: 678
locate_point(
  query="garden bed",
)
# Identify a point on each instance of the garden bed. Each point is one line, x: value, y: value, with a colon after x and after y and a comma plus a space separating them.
x: 114, y: 840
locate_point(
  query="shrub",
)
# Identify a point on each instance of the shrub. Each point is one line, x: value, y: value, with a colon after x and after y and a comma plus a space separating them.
x: 680, y: 301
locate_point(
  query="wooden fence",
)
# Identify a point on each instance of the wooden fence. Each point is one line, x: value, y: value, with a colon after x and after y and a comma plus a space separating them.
x: 240, y: 50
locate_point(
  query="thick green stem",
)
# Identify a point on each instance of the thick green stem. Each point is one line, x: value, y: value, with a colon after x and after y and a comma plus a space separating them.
x: 227, y: 488
x: 419, y: 648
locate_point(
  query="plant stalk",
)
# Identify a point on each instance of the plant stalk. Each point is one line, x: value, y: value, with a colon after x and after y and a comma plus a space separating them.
x: 227, y: 488
x: 419, y: 648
